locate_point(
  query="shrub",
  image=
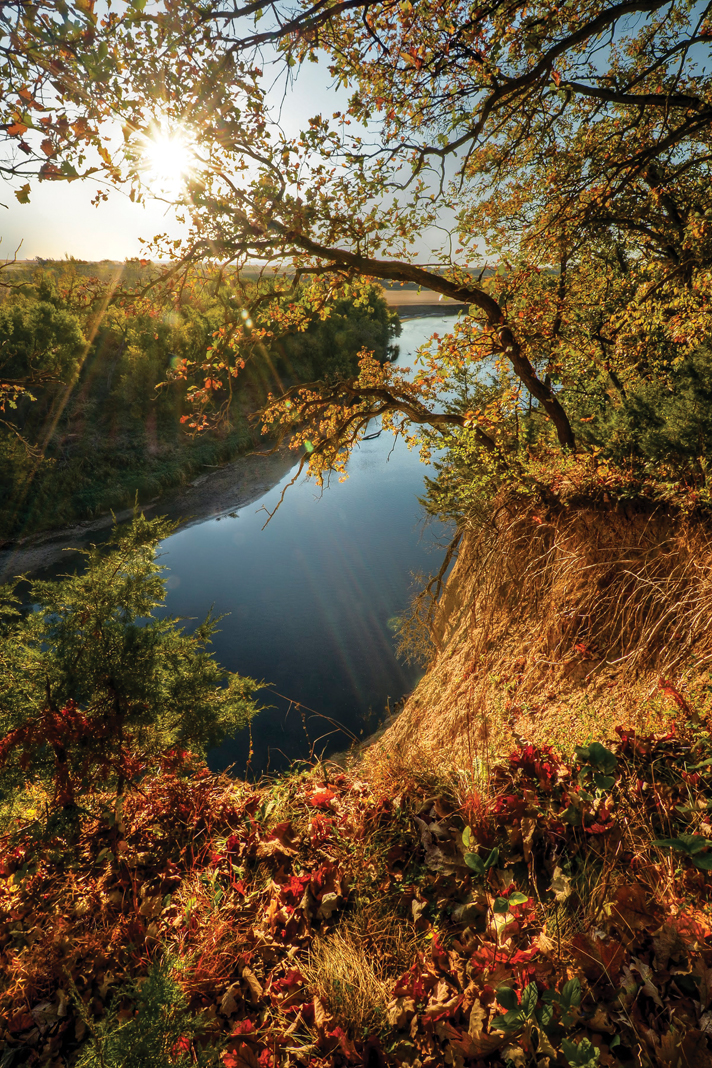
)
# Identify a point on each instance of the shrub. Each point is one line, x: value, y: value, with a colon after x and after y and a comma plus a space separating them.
x: 94, y: 682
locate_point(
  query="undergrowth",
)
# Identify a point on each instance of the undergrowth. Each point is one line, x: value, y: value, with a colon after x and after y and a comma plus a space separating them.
x: 551, y: 912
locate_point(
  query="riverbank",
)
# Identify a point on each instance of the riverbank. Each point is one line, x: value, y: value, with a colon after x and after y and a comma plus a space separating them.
x: 216, y: 493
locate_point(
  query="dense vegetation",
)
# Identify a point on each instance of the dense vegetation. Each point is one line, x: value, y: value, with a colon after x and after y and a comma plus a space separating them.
x: 555, y: 911
x: 96, y: 404
x: 542, y: 908
x: 93, y: 684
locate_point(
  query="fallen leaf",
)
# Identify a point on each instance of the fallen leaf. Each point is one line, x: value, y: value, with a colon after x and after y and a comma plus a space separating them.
x: 596, y: 958
x: 253, y: 983
x: 478, y: 1018
x: 400, y: 1011
x: 228, y: 1005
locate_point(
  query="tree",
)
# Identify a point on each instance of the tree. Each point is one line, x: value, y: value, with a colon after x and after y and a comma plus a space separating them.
x: 95, y: 683
x: 39, y: 344
x: 570, y: 145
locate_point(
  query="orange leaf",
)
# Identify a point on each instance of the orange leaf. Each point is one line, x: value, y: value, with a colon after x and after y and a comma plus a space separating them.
x: 322, y: 798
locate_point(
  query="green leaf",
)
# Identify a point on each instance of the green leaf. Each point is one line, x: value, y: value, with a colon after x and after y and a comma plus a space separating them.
x: 518, y: 898
x: 583, y: 1055
x: 530, y: 996
x: 500, y: 906
x: 507, y: 997
x: 545, y: 1015
x: 492, y: 858
x: 670, y: 843
x: 467, y: 837
x: 572, y: 816
x: 686, y: 843
x: 696, y: 843
x: 571, y: 993
x: 511, y: 1021
x: 600, y: 758
x: 703, y: 863
x: 697, y: 767
x: 475, y: 863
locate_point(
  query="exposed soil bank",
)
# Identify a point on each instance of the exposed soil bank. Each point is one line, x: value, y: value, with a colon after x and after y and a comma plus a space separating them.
x: 558, y: 627
x: 237, y: 484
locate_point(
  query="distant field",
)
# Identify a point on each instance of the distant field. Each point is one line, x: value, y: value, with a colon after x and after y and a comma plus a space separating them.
x: 407, y: 297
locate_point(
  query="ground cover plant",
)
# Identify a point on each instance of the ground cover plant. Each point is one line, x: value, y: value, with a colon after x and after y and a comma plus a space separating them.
x: 95, y: 680
x: 558, y: 913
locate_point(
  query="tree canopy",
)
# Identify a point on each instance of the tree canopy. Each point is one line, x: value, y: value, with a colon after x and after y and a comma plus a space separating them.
x: 561, y: 150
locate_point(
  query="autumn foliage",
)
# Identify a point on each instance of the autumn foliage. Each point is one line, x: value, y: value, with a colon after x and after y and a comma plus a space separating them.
x: 560, y: 911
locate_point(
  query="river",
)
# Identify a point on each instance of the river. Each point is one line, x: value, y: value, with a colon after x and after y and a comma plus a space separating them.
x: 312, y: 596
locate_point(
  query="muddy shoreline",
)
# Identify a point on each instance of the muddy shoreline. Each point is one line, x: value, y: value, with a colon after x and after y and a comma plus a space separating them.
x: 226, y: 489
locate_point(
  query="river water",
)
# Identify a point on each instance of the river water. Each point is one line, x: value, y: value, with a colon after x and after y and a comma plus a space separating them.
x: 312, y: 596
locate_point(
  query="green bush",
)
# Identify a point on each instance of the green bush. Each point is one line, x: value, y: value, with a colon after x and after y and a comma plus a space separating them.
x: 95, y: 682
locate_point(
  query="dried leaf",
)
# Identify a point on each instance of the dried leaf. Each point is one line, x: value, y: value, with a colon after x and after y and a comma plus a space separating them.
x: 561, y: 885
x: 228, y: 1005
x: 596, y: 958
x: 254, y: 985
x: 400, y: 1011
x: 478, y: 1019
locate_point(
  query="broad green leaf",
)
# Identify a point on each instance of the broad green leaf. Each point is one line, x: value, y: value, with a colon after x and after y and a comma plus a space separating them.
x: 511, y: 1021
x: 475, y: 863
x: 518, y: 898
x: 530, y: 996
x: 501, y: 905
x: 571, y: 993
x: 685, y: 843
x: 583, y: 1055
x: 600, y: 758
x: 507, y: 997
x: 670, y: 843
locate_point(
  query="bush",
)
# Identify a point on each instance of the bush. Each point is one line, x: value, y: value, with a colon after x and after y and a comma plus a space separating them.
x: 93, y: 683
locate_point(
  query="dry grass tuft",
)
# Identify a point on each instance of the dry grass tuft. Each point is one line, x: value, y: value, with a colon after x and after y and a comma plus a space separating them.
x: 353, y: 968
x: 418, y: 770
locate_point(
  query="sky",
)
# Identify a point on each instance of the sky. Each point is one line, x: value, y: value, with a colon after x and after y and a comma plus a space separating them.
x: 60, y: 220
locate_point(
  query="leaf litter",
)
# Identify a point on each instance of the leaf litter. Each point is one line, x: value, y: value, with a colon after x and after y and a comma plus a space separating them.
x: 561, y: 917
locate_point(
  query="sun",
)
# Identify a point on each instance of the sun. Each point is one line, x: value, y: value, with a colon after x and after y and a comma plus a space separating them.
x: 167, y: 160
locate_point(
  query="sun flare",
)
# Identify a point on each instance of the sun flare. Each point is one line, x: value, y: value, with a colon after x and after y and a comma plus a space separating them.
x: 168, y: 159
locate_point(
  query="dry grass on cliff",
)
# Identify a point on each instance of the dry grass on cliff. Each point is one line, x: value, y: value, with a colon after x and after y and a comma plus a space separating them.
x: 556, y: 627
